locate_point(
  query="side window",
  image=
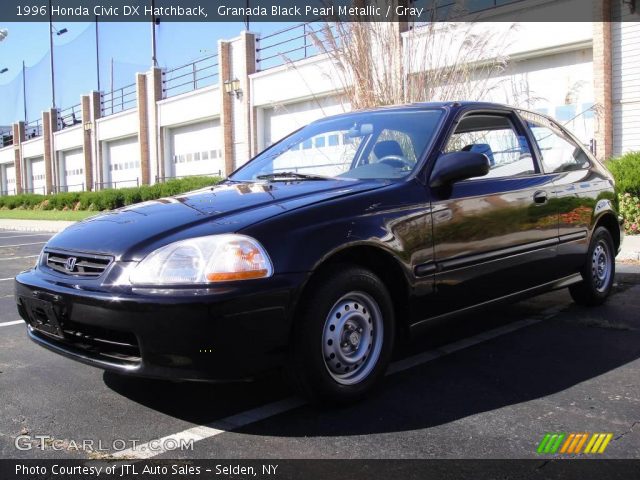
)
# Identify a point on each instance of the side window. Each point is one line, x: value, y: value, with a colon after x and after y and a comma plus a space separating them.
x: 559, y: 152
x: 495, y: 136
x: 395, y: 144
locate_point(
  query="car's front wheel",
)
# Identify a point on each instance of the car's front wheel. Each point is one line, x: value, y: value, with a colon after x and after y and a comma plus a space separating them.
x: 343, y: 337
x: 598, y: 271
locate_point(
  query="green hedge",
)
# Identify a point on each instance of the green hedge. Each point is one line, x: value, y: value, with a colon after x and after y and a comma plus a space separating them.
x: 626, y: 170
x: 105, y: 199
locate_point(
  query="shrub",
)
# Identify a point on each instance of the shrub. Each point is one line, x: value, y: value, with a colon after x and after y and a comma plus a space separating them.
x: 630, y: 210
x: 104, y: 199
x: 626, y: 171
x: 62, y: 200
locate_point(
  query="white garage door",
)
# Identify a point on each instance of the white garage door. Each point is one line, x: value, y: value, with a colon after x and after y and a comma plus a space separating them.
x: 281, y: 120
x: 625, y: 39
x: 196, y: 149
x: 36, y: 177
x: 123, y: 162
x: 8, y: 179
x: 71, y: 168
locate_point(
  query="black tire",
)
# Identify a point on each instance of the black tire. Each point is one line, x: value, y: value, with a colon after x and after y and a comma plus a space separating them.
x: 335, y: 306
x: 596, y: 284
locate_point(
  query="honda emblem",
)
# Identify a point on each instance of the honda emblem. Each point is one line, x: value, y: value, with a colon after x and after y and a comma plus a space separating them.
x: 70, y: 264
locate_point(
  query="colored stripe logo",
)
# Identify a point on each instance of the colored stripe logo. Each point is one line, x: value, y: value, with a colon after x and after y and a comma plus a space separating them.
x: 573, y: 443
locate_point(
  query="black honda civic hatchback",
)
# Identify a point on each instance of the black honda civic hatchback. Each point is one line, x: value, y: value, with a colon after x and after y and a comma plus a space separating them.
x: 326, y: 248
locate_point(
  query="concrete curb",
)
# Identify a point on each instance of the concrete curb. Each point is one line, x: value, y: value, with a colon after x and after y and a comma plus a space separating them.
x: 630, y: 246
x: 45, y: 226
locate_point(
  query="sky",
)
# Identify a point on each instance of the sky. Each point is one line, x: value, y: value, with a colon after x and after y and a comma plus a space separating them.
x: 128, y: 44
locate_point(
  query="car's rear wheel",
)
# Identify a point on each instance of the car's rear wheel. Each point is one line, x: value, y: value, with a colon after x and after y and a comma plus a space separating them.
x: 598, y: 271
x: 343, y: 337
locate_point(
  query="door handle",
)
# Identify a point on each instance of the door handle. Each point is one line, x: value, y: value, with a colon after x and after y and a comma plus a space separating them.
x: 540, y: 197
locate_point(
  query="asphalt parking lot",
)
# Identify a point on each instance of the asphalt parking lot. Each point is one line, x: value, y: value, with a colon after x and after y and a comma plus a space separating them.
x: 488, y: 385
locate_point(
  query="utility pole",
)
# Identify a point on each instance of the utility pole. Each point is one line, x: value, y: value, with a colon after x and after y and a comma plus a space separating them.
x: 97, y: 55
x: 53, y: 82
x: 154, y: 58
x: 24, y: 90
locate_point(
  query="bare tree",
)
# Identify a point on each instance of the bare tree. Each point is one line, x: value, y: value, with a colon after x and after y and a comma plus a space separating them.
x: 376, y: 64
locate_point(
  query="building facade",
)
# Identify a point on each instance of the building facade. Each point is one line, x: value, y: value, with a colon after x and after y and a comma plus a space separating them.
x: 210, y: 116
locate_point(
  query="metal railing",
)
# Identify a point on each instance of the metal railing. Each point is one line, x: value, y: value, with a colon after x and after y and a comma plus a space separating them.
x: 451, y: 9
x: 160, y: 179
x: 65, y: 188
x: 37, y: 190
x: 119, y: 100
x: 191, y: 76
x: 6, y: 136
x: 300, y: 41
x: 8, y: 192
x: 33, y: 129
x: 70, y: 116
x: 107, y: 185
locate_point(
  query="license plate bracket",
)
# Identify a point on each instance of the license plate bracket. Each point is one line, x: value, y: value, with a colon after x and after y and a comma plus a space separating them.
x: 42, y: 316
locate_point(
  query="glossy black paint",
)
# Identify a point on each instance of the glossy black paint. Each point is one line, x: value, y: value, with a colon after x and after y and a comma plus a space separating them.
x: 439, y: 250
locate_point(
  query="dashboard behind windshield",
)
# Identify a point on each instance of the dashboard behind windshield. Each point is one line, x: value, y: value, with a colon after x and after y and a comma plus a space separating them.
x: 367, y: 145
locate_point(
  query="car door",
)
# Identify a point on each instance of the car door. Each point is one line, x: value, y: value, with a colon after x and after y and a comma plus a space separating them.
x: 493, y: 235
x: 578, y: 188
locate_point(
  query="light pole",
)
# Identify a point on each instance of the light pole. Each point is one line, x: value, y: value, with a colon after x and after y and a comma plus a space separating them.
x: 154, y: 21
x: 58, y: 33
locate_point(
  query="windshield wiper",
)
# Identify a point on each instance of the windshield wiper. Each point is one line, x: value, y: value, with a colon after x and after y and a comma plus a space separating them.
x: 290, y: 176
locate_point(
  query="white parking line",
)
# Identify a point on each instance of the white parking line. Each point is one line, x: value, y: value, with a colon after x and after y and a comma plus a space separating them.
x: 202, y: 432
x: 15, y: 322
x: 28, y: 235
x: 155, y: 447
x: 18, y: 258
x: 22, y: 244
x: 6, y: 279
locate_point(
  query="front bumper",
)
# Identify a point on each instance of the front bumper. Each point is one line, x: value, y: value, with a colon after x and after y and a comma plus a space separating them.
x: 227, y: 333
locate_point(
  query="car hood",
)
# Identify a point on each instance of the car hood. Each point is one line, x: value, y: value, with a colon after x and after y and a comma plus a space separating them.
x: 130, y: 233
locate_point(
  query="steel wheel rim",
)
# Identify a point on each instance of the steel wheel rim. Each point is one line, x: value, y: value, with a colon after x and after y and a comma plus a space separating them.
x: 352, y: 338
x: 601, y: 266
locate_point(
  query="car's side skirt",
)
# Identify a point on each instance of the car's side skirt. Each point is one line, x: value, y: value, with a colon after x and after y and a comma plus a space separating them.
x: 545, y: 287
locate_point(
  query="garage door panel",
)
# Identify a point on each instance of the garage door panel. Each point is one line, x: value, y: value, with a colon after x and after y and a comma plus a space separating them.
x: 36, y: 181
x: 8, y: 179
x: 123, y: 162
x: 282, y: 120
x: 196, y: 149
x: 71, y: 170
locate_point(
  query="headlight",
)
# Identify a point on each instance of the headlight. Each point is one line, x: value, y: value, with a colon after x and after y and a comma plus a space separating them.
x: 40, y: 258
x: 203, y: 260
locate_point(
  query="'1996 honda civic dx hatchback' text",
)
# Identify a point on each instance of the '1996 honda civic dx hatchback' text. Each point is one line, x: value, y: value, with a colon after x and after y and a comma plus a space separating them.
x: 324, y: 249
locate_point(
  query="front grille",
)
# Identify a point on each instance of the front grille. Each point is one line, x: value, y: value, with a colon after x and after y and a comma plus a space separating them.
x: 79, y: 264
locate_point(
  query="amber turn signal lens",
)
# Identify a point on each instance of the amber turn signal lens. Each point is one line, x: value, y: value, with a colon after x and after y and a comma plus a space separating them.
x: 229, y: 276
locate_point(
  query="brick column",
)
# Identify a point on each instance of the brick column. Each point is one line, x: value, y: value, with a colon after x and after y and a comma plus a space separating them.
x: 156, y: 151
x: 226, y: 110
x: 248, y: 45
x: 143, y: 126
x: 89, y: 104
x: 18, y: 138
x: 49, y: 125
x: 95, y: 161
x: 602, y: 79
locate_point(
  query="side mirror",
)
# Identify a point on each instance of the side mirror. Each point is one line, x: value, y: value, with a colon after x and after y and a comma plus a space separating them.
x: 456, y: 166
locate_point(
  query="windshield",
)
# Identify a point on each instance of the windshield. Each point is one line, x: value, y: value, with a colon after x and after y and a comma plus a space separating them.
x: 380, y: 145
